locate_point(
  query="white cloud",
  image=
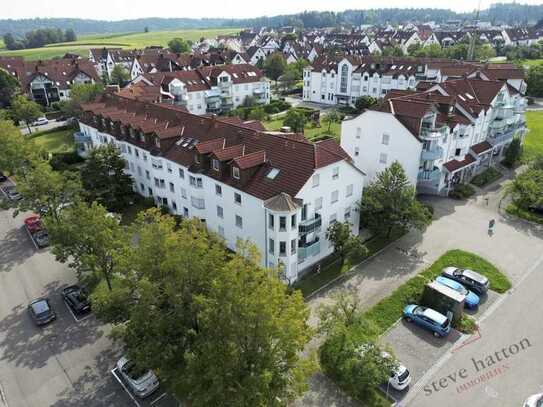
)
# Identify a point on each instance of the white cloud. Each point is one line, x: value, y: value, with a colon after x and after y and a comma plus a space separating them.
x: 128, y: 9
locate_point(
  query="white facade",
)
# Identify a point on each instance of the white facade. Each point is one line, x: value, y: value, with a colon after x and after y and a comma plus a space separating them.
x: 294, y: 240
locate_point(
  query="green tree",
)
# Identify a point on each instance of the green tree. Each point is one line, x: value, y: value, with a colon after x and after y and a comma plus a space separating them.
x: 527, y: 189
x: 275, y: 66
x: 484, y: 52
x: 104, y: 179
x: 289, y: 78
x: 534, y: 80
x: 393, y: 51
x: 119, y: 75
x: 513, y: 153
x: 179, y: 45
x: 430, y: 51
x: 257, y: 113
x: 364, y: 102
x: 345, y: 243
x: 9, y: 87
x: 295, y: 120
x: 89, y: 240
x: 331, y: 117
x: 25, y: 110
x: 80, y: 93
x: 69, y: 35
x: 17, y: 151
x: 390, y: 203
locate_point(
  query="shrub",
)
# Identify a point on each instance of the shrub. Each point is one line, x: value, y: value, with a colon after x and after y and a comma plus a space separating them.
x: 486, y: 177
x: 466, y: 325
x: 462, y: 191
x: 62, y: 161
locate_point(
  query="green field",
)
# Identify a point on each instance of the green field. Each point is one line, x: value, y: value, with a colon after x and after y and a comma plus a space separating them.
x: 311, y: 132
x: 126, y: 40
x: 533, y: 144
x: 529, y: 62
x: 56, y: 141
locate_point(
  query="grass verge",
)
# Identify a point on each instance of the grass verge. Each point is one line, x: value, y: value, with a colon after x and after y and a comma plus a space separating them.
x: 533, y: 143
x: 332, y: 267
x: 514, y: 210
x: 55, y: 141
x: 486, y: 177
x: 387, y: 311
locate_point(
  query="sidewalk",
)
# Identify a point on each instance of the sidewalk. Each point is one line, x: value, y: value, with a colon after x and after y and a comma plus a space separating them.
x: 457, y: 225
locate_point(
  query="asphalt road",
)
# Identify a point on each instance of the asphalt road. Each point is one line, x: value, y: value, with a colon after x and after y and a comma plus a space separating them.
x: 501, y: 366
x: 51, y: 125
x: 65, y: 364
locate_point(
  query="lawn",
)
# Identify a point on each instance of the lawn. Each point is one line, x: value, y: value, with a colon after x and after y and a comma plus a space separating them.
x: 55, y: 141
x: 311, y: 132
x: 533, y: 145
x: 387, y: 311
x: 126, y: 40
x: 531, y: 62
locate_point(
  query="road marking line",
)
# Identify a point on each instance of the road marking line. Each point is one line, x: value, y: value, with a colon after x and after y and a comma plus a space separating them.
x: 124, y: 387
x: 158, y: 399
x: 31, y: 238
x: 440, y: 362
x: 3, y: 397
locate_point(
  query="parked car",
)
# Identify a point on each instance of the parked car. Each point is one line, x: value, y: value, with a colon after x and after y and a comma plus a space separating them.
x: 41, y: 312
x: 77, y: 299
x: 40, y: 121
x: 33, y: 224
x: 471, y: 301
x: 439, y: 324
x: 468, y: 278
x: 3, y: 178
x: 41, y: 238
x: 142, y: 383
x: 400, y: 377
x: 534, y: 401
x: 12, y: 193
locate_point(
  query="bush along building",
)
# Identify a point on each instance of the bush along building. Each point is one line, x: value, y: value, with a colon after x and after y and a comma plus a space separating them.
x: 278, y: 190
x: 210, y: 89
x: 442, y: 136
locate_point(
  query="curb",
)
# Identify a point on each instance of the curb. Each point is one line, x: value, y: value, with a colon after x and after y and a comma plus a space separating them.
x: 351, y: 271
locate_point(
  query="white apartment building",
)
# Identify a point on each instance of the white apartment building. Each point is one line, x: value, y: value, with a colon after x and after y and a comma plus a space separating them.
x: 442, y: 136
x: 211, y: 89
x: 279, y: 191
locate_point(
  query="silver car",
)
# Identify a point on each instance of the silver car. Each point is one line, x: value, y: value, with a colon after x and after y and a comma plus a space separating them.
x: 142, y: 383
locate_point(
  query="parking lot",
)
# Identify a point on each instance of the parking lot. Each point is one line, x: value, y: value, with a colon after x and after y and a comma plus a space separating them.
x: 67, y: 363
x: 419, y: 350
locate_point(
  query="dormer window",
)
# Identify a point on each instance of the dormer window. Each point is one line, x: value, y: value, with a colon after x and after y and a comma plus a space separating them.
x: 235, y: 172
x: 157, y: 142
x: 197, y: 159
x: 142, y: 138
x: 215, y: 164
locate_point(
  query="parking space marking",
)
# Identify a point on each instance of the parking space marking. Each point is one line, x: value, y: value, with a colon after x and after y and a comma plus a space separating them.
x: 158, y: 399
x: 31, y: 238
x: 73, y: 315
x: 113, y: 372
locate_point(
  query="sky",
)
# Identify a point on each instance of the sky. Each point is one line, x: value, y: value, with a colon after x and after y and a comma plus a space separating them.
x: 129, y: 9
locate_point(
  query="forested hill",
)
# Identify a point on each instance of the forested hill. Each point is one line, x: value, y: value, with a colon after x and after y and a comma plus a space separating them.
x: 511, y: 13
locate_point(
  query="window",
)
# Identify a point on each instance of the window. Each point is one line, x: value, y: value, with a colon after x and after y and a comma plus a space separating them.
x: 271, y: 221
x: 215, y: 164
x: 304, y: 212
x: 237, y: 198
x: 358, y: 132
x: 239, y: 221
x: 174, y: 206
x: 335, y: 173
x: 218, y: 190
x: 334, y: 197
x: 333, y: 219
x: 282, y: 248
x: 282, y: 223
x: 181, y: 173
x: 344, y: 79
x: 183, y: 193
x: 385, y: 140
x: 198, y: 203
x: 197, y: 158
x: 356, y: 151
x: 349, y: 190
x: 221, y: 231
x: 139, y: 170
x: 142, y: 187
x: 293, y: 221
x: 235, y: 172
x: 348, y: 213
x: 172, y: 188
x: 185, y: 212
x: 271, y: 246
x: 382, y: 158
x: 220, y: 212
x: 169, y: 167
x: 457, y: 151
x: 318, y: 204
x: 137, y: 152
x: 147, y: 174
x: 129, y: 150
x: 196, y: 182
x: 293, y: 246
x: 316, y: 180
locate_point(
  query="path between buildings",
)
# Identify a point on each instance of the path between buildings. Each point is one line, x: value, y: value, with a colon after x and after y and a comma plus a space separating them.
x: 457, y: 225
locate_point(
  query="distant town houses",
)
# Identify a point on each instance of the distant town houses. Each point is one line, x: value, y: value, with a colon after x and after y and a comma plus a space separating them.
x: 209, y: 89
x: 277, y: 190
x: 49, y: 81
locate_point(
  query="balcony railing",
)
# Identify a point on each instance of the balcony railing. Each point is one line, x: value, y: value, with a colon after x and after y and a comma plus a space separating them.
x: 308, y: 251
x: 501, y: 137
x: 498, y: 124
x: 80, y: 138
x: 431, y: 132
x: 429, y: 176
x: 310, y: 225
x: 435, y: 153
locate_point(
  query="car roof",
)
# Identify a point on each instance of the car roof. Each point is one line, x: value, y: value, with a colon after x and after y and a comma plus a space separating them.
x: 448, y: 282
x: 434, y: 315
x: 474, y: 276
x: 40, y: 305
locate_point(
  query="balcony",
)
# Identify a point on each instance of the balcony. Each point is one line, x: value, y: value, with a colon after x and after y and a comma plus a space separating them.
x: 500, y: 138
x: 498, y: 124
x: 429, y: 176
x: 310, y: 225
x: 81, y: 138
x: 310, y: 250
x: 431, y: 133
x: 434, y: 153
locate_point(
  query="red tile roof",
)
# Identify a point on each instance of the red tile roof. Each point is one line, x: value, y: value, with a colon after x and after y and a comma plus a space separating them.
x: 226, y: 154
x: 481, y: 147
x: 455, y: 165
x: 211, y: 145
x: 251, y: 160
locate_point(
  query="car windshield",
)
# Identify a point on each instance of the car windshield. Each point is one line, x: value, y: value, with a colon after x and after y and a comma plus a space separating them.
x: 445, y: 324
x: 40, y: 307
x: 458, y: 272
x: 462, y: 290
x: 403, y: 376
x: 419, y: 310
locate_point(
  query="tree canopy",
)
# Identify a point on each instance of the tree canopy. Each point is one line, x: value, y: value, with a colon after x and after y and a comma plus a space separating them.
x: 534, y: 80
x: 275, y: 66
x: 9, y: 86
x: 179, y: 45
x: 119, y: 75
x: 296, y: 120
x: 25, y: 110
